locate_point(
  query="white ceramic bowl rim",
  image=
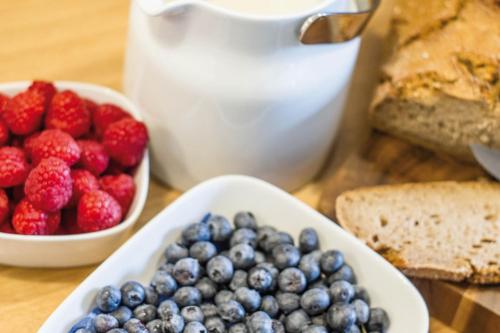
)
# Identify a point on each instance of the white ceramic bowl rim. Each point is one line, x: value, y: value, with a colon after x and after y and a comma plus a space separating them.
x: 134, y: 214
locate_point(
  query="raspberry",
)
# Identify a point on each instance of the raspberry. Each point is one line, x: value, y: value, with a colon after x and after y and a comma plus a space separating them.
x: 126, y: 141
x: 4, y: 133
x: 68, y: 113
x: 4, y: 207
x: 23, y: 113
x: 83, y: 182
x: 45, y: 88
x: 3, y: 102
x: 68, y: 222
x: 94, y: 157
x: 98, y: 211
x: 7, y: 228
x: 121, y: 187
x: 28, y: 220
x: 105, y: 115
x: 13, y: 167
x: 28, y: 144
x: 49, y: 186
x: 91, y: 106
x: 55, y: 143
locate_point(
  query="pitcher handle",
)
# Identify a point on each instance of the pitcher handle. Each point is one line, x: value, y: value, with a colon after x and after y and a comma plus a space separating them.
x: 325, y: 28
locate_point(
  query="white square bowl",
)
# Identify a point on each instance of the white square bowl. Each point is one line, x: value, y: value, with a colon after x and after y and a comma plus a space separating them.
x: 78, y: 249
x: 140, y: 256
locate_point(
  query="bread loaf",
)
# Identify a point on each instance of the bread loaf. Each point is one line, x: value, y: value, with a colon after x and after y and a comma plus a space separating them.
x: 440, y: 230
x: 441, y: 84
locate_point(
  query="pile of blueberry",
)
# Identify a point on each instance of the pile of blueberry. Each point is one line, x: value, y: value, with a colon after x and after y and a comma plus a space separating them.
x: 249, y: 279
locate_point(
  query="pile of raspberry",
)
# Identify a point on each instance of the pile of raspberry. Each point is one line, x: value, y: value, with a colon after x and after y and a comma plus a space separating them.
x: 65, y: 162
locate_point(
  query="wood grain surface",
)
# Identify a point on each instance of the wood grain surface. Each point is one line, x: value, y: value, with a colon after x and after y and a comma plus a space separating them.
x: 84, y: 40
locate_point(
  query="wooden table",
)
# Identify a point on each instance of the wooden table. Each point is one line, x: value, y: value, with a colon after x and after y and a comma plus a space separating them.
x: 84, y: 41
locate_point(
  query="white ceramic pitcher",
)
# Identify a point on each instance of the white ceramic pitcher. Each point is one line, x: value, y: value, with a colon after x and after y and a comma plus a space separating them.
x: 224, y: 92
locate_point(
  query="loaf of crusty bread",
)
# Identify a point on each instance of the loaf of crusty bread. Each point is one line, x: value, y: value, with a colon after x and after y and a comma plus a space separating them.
x: 441, y: 84
x: 440, y: 230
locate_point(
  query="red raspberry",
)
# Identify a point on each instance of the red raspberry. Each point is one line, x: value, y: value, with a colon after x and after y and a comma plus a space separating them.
x: 4, y: 206
x: 126, y: 141
x: 121, y: 187
x: 23, y: 113
x: 98, y: 211
x: 91, y: 105
x: 28, y: 220
x: 68, y: 113
x: 68, y: 222
x: 55, y: 143
x: 105, y: 115
x: 28, y: 144
x: 49, y: 186
x: 47, y: 89
x: 13, y: 167
x: 94, y: 157
x: 83, y: 182
x: 7, y: 228
x: 3, y: 102
x: 4, y: 133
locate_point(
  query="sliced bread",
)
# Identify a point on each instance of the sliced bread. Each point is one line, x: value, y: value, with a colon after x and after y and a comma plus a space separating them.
x: 439, y: 230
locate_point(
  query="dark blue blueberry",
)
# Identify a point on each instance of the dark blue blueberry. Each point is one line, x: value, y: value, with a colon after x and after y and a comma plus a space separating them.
x: 242, y: 256
x: 133, y: 294
x: 209, y: 309
x: 239, y: 280
x: 155, y: 326
x: 315, y: 329
x: 260, y: 257
x: 362, y: 311
x: 231, y: 311
x: 215, y: 325
x: 341, y: 292
x: 192, y: 313
x: 292, y: 280
x: 315, y: 301
x: 223, y: 296
x: 278, y: 326
x: 207, y: 288
x: 167, y: 308
x: 341, y: 317
x: 220, y: 269
x: 361, y: 293
x: 108, y: 299
x: 187, y: 296
x: 174, y: 252
x: 319, y: 320
x: 288, y: 302
x: 344, y: 273
x: 274, y: 273
x: 135, y: 326
x: 260, y: 322
x: 244, y: 236
x: 379, y: 320
x: 152, y: 296
x: 122, y: 314
x: 195, y: 232
x: 309, y: 264
x: 263, y: 234
x: 195, y: 327
x: 174, y: 323
x: 117, y: 330
x: 167, y: 267
x: 203, y: 251
x: 260, y: 278
x: 105, y: 322
x: 276, y: 239
x: 238, y: 328
x: 285, y: 255
x: 308, y: 240
x: 220, y: 228
x: 319, y: 284
x: 331, y: 261
x: 353, y: 329
x: 297, y: 320
x: 145, y: 313
x: 187, y: 271
x: 245, y: 220
x: 164, y: 283
x: 270, y: 306
x: 249, y: 298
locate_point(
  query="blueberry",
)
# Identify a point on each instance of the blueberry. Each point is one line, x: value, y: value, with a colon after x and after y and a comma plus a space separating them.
x: 105, y: 322
x: 379, y: 321
x: 292, y: 280
x: 249, y: 298
x: 315, y: 329
x: 319, y: 320
x: 195, y: 327
x: 362, y: 311
x: 238, y: 328
x: 315, y: 301
x: 286, y: 255
x: 215, y: 325
x: 296, y: 320
x: 187, y: 271
x: 135, y: 326
x: 259, y: 257
x: 263, y: 234
x: 167, y: 308
x: 133, y: 294
x: 275, y: 239
x: 192, y: 313
x: 308, y: 240
x: 270, y: 306
x: 203, y: 251
x: 362, y: 294
x: 245, y: 220
x: 152, y: 296
x: 209, y: 310
x: 115, y: 330
x: 239, y: 280
x: 341, y: 317
x: 164, y: 283
x: 220, y: 228
x: 173, y: 323
x: 187, y: 296
x: 309, y: 264
x: 260, y: 322
x: 341, y: 292
x: 196, y: 232
x: 231, y: 311
x: 260, y: 278
x: 242, y: 256
x: 318, y: 284
x: 274, y: 273
x: 244, y: 236
x: 223, y: 296
x: 288, y: 302
x: 220, y: 269
x: 331, y: 261
x: 108, y: 299
x: 145, y: 313
x: 167, y: 267
x: 174, y: 252
x: 353, y: 329
x: 344, y: 273
x: 122, y: 314
x: 278, y: 326
x: 155, y: 326
x: 207, y: 288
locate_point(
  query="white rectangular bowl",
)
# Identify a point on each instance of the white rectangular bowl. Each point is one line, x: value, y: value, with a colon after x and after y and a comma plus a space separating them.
x: 138, y: 258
